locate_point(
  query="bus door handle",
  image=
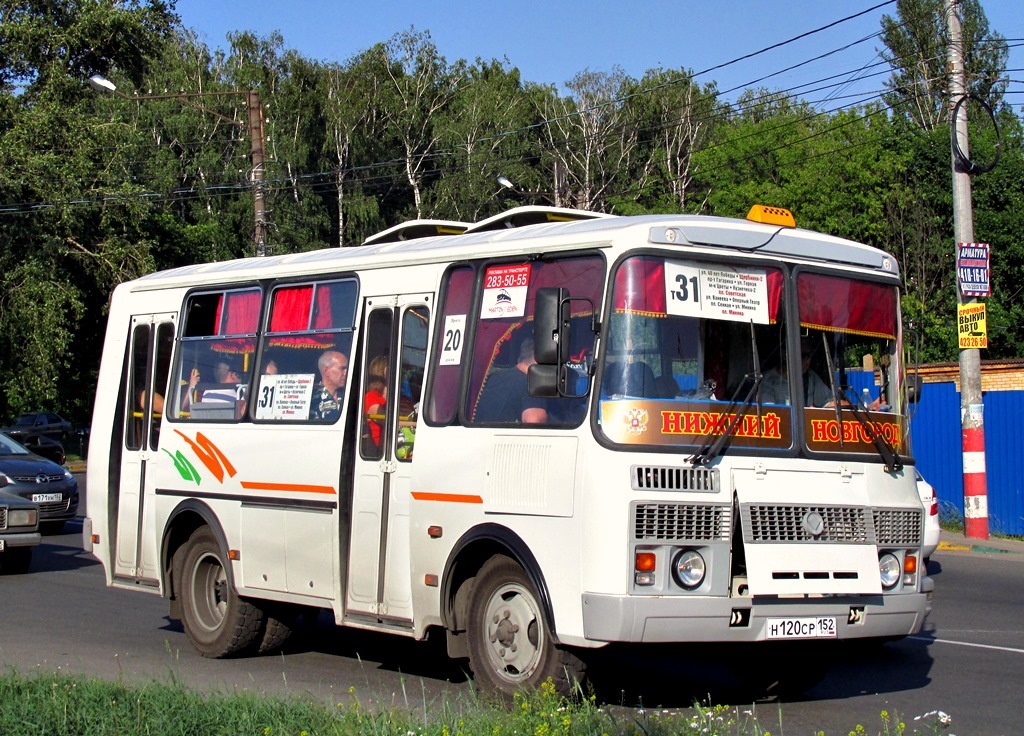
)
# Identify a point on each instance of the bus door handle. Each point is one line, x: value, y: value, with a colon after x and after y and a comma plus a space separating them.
x: 388, y: 466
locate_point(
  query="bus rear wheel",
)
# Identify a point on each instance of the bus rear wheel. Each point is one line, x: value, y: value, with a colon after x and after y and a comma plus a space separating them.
x: 216, y: 620
x: 510, y: 645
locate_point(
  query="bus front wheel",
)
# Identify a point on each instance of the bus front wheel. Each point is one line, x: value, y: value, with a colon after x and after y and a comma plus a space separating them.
x: 510, y: 646
x: 216, y: 620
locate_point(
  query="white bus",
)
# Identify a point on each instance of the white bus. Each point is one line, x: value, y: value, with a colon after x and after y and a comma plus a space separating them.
x: 542, y: 434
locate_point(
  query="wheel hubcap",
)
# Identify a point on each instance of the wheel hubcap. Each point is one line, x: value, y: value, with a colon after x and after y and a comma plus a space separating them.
x: 210, y: 592
x: 514, y: 633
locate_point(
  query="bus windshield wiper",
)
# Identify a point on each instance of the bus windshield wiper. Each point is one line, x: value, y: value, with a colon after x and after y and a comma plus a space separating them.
x: 711, y: 449
x: 889, y: 455
x: 835, y: 390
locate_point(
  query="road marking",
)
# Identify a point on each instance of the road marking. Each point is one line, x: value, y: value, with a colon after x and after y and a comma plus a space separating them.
x: 969, y: 644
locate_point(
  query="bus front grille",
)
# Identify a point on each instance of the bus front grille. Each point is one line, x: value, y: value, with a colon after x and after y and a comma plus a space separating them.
x: 681, y: 522
x: 899, y: 527
x: 665, y: 478
x: 821, y: 524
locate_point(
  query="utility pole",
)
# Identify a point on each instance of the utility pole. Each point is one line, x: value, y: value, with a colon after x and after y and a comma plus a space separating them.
x: 254, y: 108
x: 256, y: 139
x: 972, y: 415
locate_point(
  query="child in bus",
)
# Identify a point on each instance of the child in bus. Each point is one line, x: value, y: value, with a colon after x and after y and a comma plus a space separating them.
x: 375, y: 400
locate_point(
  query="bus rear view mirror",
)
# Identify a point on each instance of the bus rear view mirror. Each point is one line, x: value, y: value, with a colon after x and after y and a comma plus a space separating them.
x: 913, y: 387
x: 551, y: 326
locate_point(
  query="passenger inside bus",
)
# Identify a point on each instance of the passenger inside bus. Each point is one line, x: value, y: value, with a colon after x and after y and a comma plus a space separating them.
x: 375, y: 399
x: 775, y: 386
x: 504, y: 397
x: 330, y: 391
x: 228, y: 379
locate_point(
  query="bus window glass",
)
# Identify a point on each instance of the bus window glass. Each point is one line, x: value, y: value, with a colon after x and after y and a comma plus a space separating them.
x: 216, y: 358
x: 684, y: 344
x: 306, y: 348
x: 503, y: 344
x: 376, y: 372
x: 848, y: 343
x: 448, y: 352
x: 415, y: 322
x: 162, y: 369
x: 138, y: 382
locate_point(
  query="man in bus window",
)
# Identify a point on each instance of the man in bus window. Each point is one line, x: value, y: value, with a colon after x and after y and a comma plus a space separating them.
x: 329, y: 393
x: 775, y: 386
x: 505, y: 398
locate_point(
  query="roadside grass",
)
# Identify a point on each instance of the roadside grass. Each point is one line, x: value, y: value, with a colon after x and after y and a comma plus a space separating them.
x: 61, y: 705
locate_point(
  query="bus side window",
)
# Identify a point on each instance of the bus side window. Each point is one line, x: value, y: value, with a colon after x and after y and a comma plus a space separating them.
x: 450, y: 348
x: 415, y: 323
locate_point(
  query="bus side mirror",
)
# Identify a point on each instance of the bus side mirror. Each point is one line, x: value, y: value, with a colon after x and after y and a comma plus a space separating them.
x: 913, y: 388
x: 551, y: 326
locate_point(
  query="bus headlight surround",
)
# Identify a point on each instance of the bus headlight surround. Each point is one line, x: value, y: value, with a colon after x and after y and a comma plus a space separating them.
x: 689, y: 569
x: 889, y: 570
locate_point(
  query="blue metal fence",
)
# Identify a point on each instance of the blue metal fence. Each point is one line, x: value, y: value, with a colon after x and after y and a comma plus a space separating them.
x: 936, y: 444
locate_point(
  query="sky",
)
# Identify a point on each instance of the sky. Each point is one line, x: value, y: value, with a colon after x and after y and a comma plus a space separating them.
x: 550, y: 42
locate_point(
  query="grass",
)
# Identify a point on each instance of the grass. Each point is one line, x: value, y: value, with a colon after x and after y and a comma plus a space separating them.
x: 59, y: 705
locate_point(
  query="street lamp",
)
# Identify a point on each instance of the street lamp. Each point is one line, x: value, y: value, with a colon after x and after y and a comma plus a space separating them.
x: 554, y: 196
x: 255, y: 127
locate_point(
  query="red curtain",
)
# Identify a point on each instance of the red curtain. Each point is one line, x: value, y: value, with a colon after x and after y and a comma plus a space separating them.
x: 290, y: 312
x: 322, y: 319
x: 242, y: 314
x: 836, y: 304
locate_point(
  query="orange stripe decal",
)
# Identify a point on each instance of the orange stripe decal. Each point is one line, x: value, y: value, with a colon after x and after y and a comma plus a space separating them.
x: 287, y: 487
x: 447, y: 497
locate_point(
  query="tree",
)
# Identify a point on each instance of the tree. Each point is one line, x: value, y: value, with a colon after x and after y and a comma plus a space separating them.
x: 917, y: 45
x: 71, y: 228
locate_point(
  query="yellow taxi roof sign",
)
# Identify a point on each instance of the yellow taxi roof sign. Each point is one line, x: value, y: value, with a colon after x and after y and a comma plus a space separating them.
x: 771, y: 215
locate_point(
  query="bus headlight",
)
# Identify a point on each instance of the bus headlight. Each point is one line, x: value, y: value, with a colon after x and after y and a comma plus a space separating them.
x: 689, y: 568
x: 889, y: 569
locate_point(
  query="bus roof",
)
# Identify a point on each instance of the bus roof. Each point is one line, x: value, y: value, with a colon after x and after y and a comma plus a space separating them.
x: 697, y: 233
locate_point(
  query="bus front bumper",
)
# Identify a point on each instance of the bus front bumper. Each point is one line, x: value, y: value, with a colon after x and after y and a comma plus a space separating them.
x: 663, y: 619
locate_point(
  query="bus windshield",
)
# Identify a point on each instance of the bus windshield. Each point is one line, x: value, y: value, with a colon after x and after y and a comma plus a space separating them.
x: 696, y: 349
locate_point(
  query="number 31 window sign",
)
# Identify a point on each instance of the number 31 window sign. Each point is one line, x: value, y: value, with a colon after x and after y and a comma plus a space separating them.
x: 716, y: 293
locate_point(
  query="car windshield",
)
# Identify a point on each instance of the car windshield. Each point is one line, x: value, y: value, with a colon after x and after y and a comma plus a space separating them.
x: 9, y: 447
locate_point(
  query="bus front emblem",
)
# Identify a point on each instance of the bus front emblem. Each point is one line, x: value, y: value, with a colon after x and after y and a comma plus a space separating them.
x: 813, y: 524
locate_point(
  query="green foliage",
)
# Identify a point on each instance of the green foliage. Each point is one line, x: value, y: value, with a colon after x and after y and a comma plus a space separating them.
x: 96, y: 188
x: 60, y: 705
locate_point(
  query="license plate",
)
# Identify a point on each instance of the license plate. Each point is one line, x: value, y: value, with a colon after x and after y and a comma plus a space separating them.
x: 820, y: 627
x: 46, y: 497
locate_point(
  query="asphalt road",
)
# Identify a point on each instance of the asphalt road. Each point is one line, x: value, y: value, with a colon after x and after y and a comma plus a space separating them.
x: 968, y: 663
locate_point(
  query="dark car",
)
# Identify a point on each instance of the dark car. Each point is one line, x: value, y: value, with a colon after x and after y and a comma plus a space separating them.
x: 43, y: 446
x: 52, y: 488
x: 42, y: 423
x: 19, y: 532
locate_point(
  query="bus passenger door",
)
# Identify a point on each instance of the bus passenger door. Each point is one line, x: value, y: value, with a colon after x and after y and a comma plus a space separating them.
x: 145, y: 378
x: 394, y: 354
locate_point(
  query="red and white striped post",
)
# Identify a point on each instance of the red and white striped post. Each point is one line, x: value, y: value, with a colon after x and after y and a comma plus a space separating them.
x: 975, y: 483
x: 972, y: 410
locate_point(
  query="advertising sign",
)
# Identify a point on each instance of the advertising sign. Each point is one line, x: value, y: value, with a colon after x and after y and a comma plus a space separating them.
x: 972, y: 271
x: 971, y: 326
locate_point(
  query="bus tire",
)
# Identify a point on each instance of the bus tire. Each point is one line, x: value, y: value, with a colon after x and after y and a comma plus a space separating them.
x: 216, y: 620
x: 279, y: 623
x: 510, y: 645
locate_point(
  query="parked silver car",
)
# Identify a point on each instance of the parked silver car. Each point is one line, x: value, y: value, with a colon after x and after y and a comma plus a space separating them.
x: 19, y: 533
x: 52, y: 488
